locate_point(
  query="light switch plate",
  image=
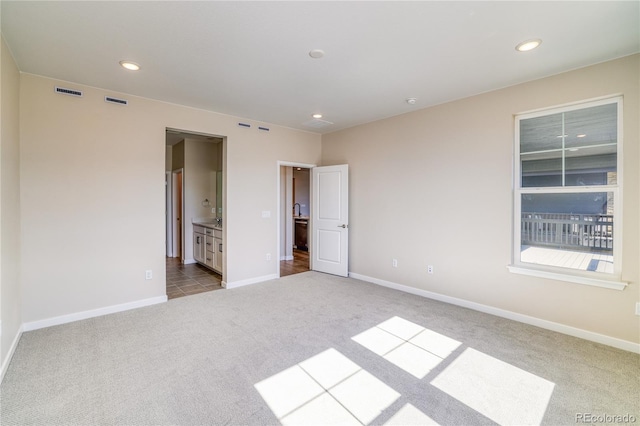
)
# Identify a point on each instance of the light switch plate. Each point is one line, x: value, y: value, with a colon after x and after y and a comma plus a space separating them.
x: 266, y: 214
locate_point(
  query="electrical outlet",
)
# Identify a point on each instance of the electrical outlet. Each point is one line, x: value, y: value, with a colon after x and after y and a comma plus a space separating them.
x: 267, y: 257
x: 394, y: 262
x: 430, y: 269
x: 213, y: 210
x: 266, y: 214
x: 148, y: 274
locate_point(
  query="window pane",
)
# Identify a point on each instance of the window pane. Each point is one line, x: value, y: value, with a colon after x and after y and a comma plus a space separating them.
x: 573, y: 148
x: 570, y: 230
x: 592, y: 126
x: 541, y: 151
x: 591, y: 144
x: 542, y: 172
x: 541, y: 133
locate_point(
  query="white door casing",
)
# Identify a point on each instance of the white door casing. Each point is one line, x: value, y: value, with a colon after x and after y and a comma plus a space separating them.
x: 167, y: 214
x: 177, y: 206
x: 330, y: 219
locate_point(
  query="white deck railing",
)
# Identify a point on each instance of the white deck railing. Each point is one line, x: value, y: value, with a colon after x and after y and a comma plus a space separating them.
x: 593, y: 232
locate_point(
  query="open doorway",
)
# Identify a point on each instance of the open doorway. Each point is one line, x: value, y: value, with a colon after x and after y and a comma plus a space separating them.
x: 194, y: 166
x: 295, y: 209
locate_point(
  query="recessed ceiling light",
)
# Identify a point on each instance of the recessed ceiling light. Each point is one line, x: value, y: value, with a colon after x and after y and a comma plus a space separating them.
x: 528, y: 45
x: 317, y: 115
x: 582, y: 135
x: 316, y: 53
x: 411, y: 101
x: 562, y: 136
x: 573, y: 149
x: 131, y: 66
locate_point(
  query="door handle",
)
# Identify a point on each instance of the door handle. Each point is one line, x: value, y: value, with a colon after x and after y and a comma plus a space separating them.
x: 343, y: 226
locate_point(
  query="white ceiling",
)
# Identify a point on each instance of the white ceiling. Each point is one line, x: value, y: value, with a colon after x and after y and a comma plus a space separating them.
x: 250, y: 59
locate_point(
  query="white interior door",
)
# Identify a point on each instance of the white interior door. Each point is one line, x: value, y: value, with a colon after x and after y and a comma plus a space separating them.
x: 330, y: 220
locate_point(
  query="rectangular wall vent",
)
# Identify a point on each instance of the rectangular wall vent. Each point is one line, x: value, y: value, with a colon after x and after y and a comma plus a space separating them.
x: 245, y: 125
x: 264, y: 129
x: 116, y: 100
x: 70, y: 92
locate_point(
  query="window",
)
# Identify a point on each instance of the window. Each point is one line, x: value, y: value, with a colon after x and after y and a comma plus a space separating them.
x: 567, y: 194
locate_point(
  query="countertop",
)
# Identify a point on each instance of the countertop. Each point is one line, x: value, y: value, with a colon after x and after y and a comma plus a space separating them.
x: 209, y: 225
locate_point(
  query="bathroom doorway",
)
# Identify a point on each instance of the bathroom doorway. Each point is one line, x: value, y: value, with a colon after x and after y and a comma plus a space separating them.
x: 196, y: 164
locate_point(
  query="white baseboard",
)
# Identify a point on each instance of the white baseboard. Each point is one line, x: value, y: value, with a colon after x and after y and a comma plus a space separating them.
x: 250, y: 281
x: 189, y: 261
x: 549, y: 325
x: 12, y: 349
x: 63, y: 319
x: 286, y: 257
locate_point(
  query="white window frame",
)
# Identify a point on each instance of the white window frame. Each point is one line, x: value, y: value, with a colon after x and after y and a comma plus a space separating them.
x: 600, y: 279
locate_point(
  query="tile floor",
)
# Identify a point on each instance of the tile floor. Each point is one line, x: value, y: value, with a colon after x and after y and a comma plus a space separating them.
x: 184, y: 280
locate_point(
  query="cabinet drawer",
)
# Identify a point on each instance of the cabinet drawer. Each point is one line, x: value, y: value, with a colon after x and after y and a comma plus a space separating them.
x: 209, y: 259
x: 208, y: 231
x: 217, y: 233
x: 198, y: 229
x: 209, y: 243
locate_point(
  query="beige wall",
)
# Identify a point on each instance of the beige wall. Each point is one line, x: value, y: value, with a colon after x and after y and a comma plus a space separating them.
x: 10, y: 299
x: 200, y: 162
x: 434, y: 187
x: 93, y: 222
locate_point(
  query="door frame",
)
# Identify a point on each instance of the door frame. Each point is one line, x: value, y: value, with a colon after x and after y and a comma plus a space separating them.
x: 177, y: 230
x: 168, y: 194
x: 279, y: 165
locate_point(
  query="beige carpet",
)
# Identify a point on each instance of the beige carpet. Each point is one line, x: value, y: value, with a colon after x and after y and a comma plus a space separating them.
x: 312, y: 349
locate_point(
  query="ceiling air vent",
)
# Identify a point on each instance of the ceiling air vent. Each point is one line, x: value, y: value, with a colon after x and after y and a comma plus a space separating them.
x: 113, y: 100
x: 317, y: 123
x: 70, y: 92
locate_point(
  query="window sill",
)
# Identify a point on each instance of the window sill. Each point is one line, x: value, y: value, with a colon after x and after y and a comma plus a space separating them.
x: 578, y: 279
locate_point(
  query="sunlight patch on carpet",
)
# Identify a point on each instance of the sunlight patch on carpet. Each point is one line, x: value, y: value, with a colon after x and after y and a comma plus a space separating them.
x: 288, y: 390
x: 409, y: 415
x: 407, y: 345
x: 327, y: 388
x: 323, y: 410
x: 505, y: 394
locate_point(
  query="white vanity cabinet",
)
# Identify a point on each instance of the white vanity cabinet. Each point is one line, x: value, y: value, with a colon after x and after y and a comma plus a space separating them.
x: 218, y: 245
x: 199, y: 243
x: 208, y: 240
x: 210, y: 247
